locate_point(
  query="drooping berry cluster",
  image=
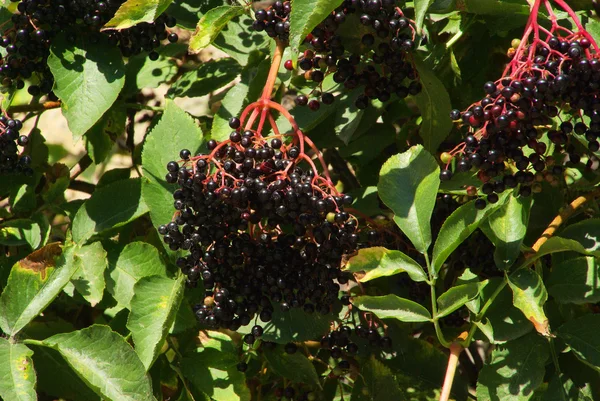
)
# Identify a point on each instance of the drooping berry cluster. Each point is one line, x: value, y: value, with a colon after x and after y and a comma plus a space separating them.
x: 27, y: 41
x: 260, y: 229
x: 380, y: 63
x: 11, y: 162
x: 508, y: 139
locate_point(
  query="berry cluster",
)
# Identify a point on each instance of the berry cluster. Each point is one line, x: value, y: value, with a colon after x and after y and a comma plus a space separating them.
x: 508, y: 139
x: 27, y: 41
x: 381, y: 64
x: 10, y: 160
x: 259, y: 228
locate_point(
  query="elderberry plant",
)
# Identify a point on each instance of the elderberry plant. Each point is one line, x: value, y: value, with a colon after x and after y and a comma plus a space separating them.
x: 299, y: 200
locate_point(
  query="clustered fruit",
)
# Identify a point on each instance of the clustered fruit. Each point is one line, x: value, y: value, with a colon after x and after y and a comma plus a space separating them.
x: 381, y: 65
x: 506, y: 139
x: 27, y: 41
x: 11, y: 162
x: 259, y: 229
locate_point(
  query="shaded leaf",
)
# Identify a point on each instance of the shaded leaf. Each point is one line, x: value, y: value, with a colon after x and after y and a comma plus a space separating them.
x: 376, y: 383
x: 295, y: 367
x: 421, y: 7
x: 575, y: 280
x: 87, y: 79
x: 581, y: 335
x: 516, y: 369
x: 457, y: 296
x: 209, y: 77
x: 90, y: 261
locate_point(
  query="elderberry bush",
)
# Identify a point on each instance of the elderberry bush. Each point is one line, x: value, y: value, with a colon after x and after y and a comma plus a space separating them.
x: 258, y: 229
x: 507, y: 142
x: 381, y: 63
x: 11, y: 161
x: 28, y: 39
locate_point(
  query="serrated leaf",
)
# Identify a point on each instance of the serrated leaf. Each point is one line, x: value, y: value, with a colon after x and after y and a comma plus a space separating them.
x: 408, y: 184
x: 90, y: 262
x: 457, y: 296
x: 87, y: 80
x: 376, y: 383
x: 435, y: 106
x: 378, y: 262
x: 506, y: 228
x: 581, y: 335
x: 175, y: 130
x: 33, y: 284
x: 154, y: 306
x: 530, y: 295
x: 393, y: 307
x: 241, y: 43
x: 421, y: 7
x: 209, y: 77
x: 457, y: 227
x: 134, y: 262
x: 295, y: 367
x: 100, y: 139
x: 17, y: 375
x: 109, y: 207
x: 133, y: 12
x: 575, y: 281
x: 305, y: 16
x: 211, y: 24
x: 92, y: 353
x: 516, y: 369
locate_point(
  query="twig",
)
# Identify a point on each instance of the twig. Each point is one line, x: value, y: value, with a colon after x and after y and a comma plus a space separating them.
x: 82, y: 186
x: 24, y: 108
x: 81, y: 166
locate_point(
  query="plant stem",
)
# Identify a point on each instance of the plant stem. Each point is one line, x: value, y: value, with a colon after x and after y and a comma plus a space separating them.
x: 34, y: 342
x: 562, y: 217
x: 455, y: 350
x: 81, y: 165
x: 137, y: 106
x: 275, y: 63
x: 24, y: 108
x: 434, y: 318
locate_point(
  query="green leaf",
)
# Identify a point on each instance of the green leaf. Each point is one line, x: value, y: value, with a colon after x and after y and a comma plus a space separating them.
x: 376, y: 383
x: 99, y: 140
x: 56, y: 378
x: 457, y: 227
x: 457, y: 296
x: 105, y: 362
x: 434, y: 104
x: 209, y: 77
x: 215, y: 384
x: 294, y: 325
x: 17, y: 376
x: 149, y: 322
x: 503, y: 321
x: 575, y: 281
x: 20, y: 232
x: 88, y: 79
x: 506, y: 229
x: 211, y: 24
x: 529, y: 295
x: 133, y: 12
x: 175, y: 130
x: 421, y: 7
x: 392, y: 306
x: 241, y: 43
x: 218, y: 351
x: 305, y: 16
x: 295, y: 367
x: 379, y: 262
x: 109, y: 207
x: 239, y: 96
x: 581, y: 335
x: 585, y: 232
x: 33, y: 284
x: 145, y: 73
x: 561, y: 388
x: 408, y: 184
x: 516, y: 369
x: 493, y: 7
x: 136, y: 261
x: 90, y: 261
